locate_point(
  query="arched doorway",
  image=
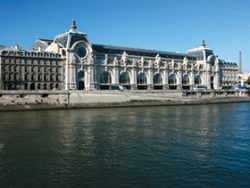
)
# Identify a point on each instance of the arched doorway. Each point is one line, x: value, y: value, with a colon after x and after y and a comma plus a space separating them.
x: 81, y: 84
x: 158, y: 81
x: 212, y: 82
x: 172, y: 81
x: 142, y: 81
x: 197, y: 80
x: 124, y: 80
x: 105, y: 81
x: 185, y: 82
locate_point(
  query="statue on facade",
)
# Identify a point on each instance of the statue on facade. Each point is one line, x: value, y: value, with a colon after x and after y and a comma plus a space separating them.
x: 157, y: 60
x: 185, y: 62
x: 171, y: 64
x: 105, y: 61
x: 124, y: 57
x: 166, y: 65
x: 151, y: 63
x: 115, y: 61
x: 142, y: 62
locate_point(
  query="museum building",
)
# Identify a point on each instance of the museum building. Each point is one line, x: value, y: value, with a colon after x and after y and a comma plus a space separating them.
x: 71, y: 62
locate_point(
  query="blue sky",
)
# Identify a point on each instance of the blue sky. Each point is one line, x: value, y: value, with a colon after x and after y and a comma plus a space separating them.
x: 171, y: 25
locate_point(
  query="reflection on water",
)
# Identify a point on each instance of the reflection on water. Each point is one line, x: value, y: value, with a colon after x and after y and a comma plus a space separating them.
x: 196, y: 146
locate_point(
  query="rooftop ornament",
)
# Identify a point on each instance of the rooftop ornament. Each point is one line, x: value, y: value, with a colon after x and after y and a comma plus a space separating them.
x: 203, y: 44
x: 73, y: 27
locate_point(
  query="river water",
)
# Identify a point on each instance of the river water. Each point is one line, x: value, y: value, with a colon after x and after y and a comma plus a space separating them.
x: 173, y: 146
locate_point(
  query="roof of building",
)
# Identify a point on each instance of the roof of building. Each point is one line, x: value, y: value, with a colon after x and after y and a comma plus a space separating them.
x: 139, y: 52
x: 2, y: 47
x: 70, y: 37
x: 202, y: 52
x: 224, y: 63
x: 41, y: 43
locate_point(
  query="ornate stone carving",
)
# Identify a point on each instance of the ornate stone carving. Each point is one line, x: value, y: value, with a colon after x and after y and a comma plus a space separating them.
x: 124, y: 57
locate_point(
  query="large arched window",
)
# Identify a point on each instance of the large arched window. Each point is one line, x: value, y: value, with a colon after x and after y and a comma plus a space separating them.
x: 172, y: 79
x: 105, y: 78
x: 197, y: 80
x: 141, y: 78
x: 185, y: 79
x: 158, y: 79
x: 124, y: 78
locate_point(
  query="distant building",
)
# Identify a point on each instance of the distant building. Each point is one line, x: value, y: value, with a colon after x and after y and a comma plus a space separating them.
x: 30, y: 70
x: 243, y: 78
x: 71, y: 62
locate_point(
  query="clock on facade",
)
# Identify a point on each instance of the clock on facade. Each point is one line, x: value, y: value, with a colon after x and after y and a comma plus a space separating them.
x: 81, y: 52
x: 80, y: 49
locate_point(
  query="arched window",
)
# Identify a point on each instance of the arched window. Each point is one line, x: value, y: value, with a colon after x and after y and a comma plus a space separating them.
x: 185, y: 79
x: 172, y: 79
x: 105, y: 78
x: 141, y: 78
x: 197, y: 80
x: 81, y: 74
x: 124, y: 78
x: 158, y: 79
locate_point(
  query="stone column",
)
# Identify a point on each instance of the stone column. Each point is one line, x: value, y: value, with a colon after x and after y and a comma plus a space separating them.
x: 116, y: 76
x: 192, y: 79
x: 165, y: 79
x: 71, y: 71
x: 151, y: 79
x: 216, y: 80
x: 134, y: 79
x: 179, y: 80
x: 208, y: 76
x: 65, y: 77
x: 216, y: 75
x: 90, y: 83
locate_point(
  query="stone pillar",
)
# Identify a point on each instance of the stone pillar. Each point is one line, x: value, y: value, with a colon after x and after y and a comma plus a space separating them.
x: 65, y: 77
x: 192, y: 80
x: 216, y: 75
x: 151, y: 79
x: 71, y: 71
x: 90, y: 83
x: 116, y: 76
x: 179, y: 80
x: 216, y: 80
x: 133, y: 79
x: 208, y: 76
x: 165, y: 79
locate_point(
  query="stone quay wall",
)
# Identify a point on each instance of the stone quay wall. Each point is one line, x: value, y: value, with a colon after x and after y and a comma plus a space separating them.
x: 41, y: 100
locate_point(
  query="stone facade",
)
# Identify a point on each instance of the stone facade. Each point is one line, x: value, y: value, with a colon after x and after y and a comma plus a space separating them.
x: 30, y: 70
x: 71, y: 62
x: 230, y: 74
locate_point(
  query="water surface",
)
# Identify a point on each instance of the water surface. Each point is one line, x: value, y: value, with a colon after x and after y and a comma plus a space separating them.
x: 174, y: 146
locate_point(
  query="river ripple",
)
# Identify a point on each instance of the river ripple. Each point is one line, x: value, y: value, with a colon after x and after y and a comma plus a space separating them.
x: 173, y: 146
